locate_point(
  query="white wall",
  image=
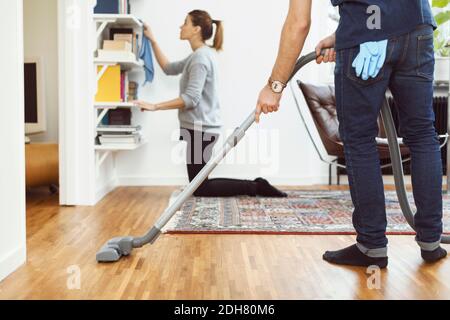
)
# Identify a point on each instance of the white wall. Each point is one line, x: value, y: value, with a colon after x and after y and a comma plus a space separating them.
x: 251, y: 39
x: 40, y: 40
x: 12, y: 159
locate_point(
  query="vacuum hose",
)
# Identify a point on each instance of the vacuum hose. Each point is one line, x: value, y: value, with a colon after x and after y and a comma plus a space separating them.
x: 397, y: 167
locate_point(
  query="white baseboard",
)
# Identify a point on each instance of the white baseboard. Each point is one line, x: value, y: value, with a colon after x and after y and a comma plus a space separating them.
x: 12, y: 261
x: 279, y: 181
x: 387, y: 180
x: 151, y: 181
x: 182, y: 180
x: 298, y: 181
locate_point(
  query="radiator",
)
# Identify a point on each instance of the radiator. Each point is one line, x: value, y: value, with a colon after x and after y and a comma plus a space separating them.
x: 440, y: 107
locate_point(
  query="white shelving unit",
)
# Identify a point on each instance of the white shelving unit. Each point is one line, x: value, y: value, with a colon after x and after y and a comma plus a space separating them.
x: 113, y: 105
x: 126, y: 65
x: 102, y: 22
x: 108, y: 149
x: 107, y: 106
x: 121, y: 147
x: 121, y: 20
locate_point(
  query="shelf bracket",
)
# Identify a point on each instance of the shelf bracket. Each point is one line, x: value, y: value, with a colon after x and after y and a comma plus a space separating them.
x: 102, y: 27
x: 102, y: 115
x: 102, y: 71
x: 100, y: 159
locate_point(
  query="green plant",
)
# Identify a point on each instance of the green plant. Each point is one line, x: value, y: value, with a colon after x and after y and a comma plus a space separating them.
x: 442, y: 17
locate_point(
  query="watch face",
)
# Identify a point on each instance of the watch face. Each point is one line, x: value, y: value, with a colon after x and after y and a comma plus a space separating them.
x: 277, y: 87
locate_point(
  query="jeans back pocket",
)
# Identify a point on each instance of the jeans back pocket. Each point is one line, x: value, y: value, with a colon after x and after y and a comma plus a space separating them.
x: 351, y: 72
x: 425, y: 56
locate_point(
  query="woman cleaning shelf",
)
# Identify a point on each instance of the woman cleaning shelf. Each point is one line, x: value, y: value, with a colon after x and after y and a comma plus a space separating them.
x: 198, y: 104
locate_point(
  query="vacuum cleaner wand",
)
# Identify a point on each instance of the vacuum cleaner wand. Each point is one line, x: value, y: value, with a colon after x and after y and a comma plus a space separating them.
x: 115, y: 248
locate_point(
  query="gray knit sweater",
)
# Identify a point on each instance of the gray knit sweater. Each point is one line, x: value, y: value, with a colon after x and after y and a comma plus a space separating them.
x: 198, y: 89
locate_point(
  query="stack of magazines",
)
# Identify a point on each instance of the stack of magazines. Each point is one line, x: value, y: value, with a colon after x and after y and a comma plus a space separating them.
x: 119, y: 134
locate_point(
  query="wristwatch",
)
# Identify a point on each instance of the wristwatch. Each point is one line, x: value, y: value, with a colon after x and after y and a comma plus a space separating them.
x: 276, y: 86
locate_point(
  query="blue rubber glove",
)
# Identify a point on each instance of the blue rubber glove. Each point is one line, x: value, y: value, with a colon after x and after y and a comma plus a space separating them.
x: 370, y: 59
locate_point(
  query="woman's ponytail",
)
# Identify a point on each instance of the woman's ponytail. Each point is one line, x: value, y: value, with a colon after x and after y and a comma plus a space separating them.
x: 203, y: 19
x: 218, y: 38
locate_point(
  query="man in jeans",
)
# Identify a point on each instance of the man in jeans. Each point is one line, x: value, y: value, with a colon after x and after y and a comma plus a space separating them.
x: 379, y: 44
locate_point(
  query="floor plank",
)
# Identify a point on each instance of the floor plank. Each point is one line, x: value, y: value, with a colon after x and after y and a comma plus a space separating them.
x: 62, y: 240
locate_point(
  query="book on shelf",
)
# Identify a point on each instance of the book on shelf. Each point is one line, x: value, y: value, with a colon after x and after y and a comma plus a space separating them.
x: 121, y: 46
x: 117, y: 45
x: 117, y: 134
x: 122, y: 86
x: 120, y: 139
x: 112, y: 7
x: 107, y: 7
x: 120, y: 135
x: 125, y: 89
x: 133, y: 85
x: 120, y: 116
x: 118, y: 128
x: 132, y: 91
x: 109, y: 85
x: 115, y: 86
x: 127, y: 34
x: 105, y: 121
x: 125, y: 6
x: 105, y: 141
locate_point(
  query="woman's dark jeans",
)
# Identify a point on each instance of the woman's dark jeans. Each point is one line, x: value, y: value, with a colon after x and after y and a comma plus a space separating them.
x: 199, y: 151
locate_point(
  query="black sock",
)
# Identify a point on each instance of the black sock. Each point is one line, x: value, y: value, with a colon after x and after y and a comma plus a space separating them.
x: 265, y: 189
x: 434, y: 256
x: 352, y: 256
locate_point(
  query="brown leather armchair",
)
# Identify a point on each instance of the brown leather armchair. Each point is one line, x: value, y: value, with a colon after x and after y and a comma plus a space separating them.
x: 321, y: 103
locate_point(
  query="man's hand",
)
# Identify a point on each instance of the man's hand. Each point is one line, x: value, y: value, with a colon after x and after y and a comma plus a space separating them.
x: 268, y: 102
x: 295, y: 30
x: 330, y: 54
x: 144, y: 106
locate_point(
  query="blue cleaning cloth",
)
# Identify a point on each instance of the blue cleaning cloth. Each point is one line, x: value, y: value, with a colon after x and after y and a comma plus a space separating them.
x: 370, y: 59
x: 146, y: 55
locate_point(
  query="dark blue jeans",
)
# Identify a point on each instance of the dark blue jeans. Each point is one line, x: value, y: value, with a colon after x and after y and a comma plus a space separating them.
x: 408, y: 73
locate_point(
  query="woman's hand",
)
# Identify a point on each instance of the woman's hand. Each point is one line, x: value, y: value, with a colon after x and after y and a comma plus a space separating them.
x: 148, y: 32
x: 144, y: 106
x: 330, y: 54
x: 268, y: 102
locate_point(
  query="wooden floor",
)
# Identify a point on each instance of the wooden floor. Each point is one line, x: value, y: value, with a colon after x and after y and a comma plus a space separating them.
x: 64, y: 239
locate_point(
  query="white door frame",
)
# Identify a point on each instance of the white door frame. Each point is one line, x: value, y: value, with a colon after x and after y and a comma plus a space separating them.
x: 76, y: 93
x: 12, y: 128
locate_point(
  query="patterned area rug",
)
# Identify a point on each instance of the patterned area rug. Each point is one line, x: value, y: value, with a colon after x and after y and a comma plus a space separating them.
x: 302, y: 212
